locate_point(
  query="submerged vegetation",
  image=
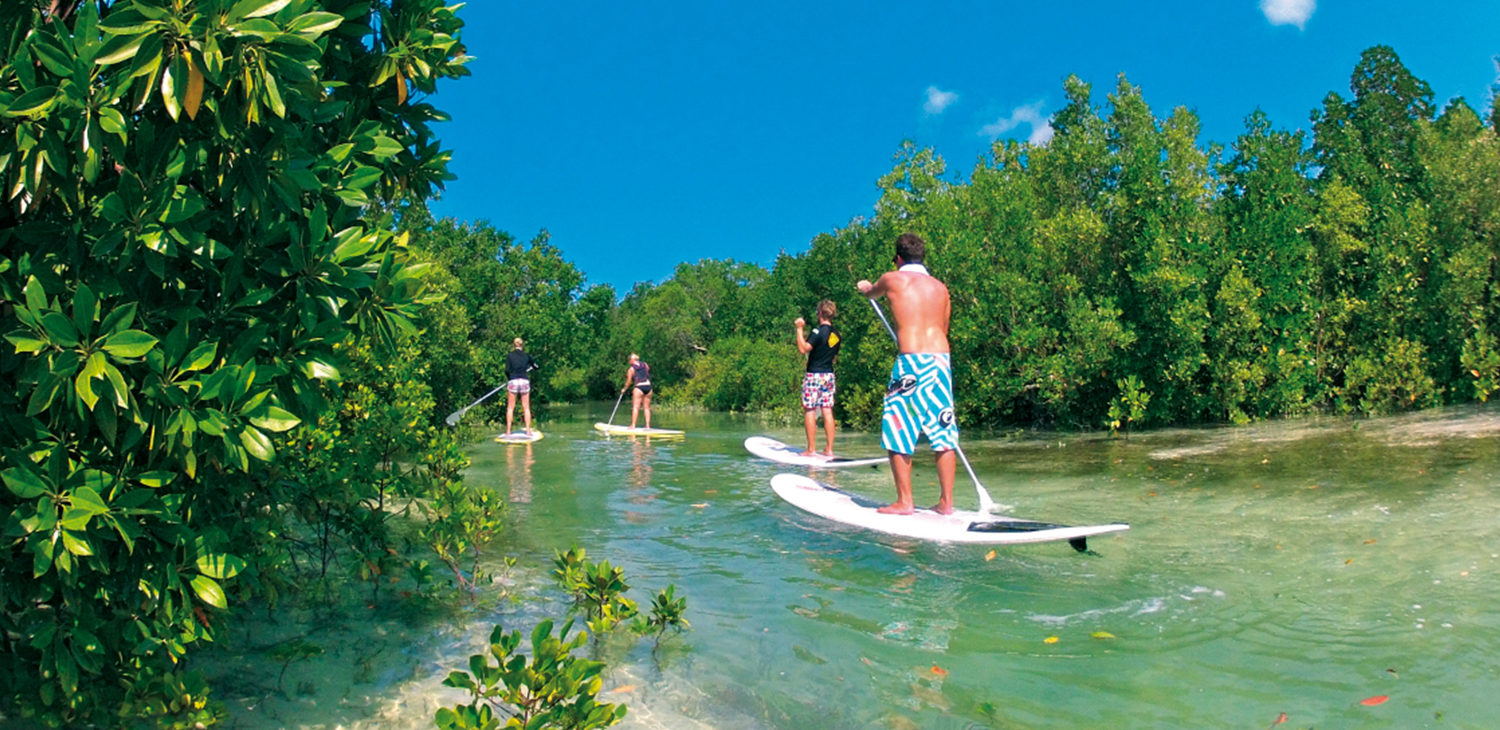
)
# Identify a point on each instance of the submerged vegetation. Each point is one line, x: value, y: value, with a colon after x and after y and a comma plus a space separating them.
x: 232, y: 327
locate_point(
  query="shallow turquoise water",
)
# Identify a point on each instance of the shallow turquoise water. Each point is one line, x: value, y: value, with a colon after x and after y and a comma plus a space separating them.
x: 1296, y: 567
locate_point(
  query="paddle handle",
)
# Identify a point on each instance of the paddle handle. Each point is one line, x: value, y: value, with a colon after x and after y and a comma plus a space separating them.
x: 985, y: 503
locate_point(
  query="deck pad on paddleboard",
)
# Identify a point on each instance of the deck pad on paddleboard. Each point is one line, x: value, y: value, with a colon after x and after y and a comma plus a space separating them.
x: 769, y: 448
x: 628, y: 431
x: 518, y: 437
x: 960, y: 527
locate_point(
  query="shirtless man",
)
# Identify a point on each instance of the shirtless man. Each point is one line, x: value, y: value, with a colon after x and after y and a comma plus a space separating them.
x: 919, y: 398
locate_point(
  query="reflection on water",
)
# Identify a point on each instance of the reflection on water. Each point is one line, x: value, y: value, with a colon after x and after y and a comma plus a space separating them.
x: 518, y: 461
x: 1294, y: 567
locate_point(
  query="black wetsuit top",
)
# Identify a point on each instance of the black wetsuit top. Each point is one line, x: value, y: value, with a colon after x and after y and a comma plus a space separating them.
x: 825, y: 347
x: 518, y: 364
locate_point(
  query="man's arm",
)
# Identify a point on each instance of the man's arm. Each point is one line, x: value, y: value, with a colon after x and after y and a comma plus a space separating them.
x: 880, y: 288
x: 803, y: 346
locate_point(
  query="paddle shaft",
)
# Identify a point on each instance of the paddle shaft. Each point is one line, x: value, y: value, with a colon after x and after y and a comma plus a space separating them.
x: 611, y: 420
x: 453, y: 417
x: 985, y: 503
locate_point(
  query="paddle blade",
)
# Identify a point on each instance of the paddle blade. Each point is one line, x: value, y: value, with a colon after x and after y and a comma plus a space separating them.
x: 452, y: 419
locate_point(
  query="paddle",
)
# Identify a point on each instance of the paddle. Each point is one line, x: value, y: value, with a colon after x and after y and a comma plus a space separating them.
x: 452, y: 419
x: 611, y: 420
x: 985, y: 503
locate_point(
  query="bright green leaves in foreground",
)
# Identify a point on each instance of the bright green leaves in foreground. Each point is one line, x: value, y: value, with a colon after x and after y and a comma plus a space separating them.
x: 183, y: 246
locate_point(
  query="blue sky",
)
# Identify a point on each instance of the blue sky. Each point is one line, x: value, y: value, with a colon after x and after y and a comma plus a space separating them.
x: 645, y: 134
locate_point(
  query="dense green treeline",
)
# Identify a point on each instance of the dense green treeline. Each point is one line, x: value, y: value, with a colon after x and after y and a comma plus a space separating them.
x: 1125, y: 273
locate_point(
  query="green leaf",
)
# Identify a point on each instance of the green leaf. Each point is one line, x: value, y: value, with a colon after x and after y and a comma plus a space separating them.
x: 60, y: 329
x: 320, y: 370
x: 276, y: 420
x: 129, y: 343
x: 315, y: 23
x: 257, y: 8
x: 84, y: 385
x: 25, y: 483
x: 201, y: 357
x: 27, y: 344
x: 386, y: 148
x: 257, y: 444
x: 87, y: 498
x: 120, y: 48
x: 209, y: 592
x: 155, y: 479
x: 85, y: 310
x: 362, y: 177
x: 221, y: 566
x: 36, y: 297
x: 57, y: 60
x: 75, y: 545
x: 36, y: 101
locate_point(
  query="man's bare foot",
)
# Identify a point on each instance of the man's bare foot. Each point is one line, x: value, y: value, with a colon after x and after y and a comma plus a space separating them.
x: 942, y: 508
x: 896, y: 509
x: 808, y: 452
x: 828, y: 453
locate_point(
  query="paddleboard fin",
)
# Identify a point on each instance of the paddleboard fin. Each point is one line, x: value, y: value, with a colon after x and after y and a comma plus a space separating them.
x: 1081, y: 544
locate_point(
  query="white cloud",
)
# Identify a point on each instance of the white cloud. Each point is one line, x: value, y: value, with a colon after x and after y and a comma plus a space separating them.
x: 937, y: 100
x: 1041, y: 126
x: 1288, y: 12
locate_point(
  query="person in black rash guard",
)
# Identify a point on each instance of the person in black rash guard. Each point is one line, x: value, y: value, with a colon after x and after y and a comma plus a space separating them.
x: 817, y: 385
x: 638, y: 374
x: 518, y: 367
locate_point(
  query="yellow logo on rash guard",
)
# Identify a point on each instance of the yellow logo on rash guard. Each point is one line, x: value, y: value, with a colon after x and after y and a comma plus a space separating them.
x: 833, y: 339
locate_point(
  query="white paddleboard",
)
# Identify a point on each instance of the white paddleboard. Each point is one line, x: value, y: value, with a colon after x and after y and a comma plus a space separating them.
x: 519, y: 437
x: 628, y: 431
x: 959, y: 527
x: 768, y: 448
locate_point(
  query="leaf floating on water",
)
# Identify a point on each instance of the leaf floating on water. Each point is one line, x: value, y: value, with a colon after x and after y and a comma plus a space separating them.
x: 939, y: 671
x: 867, y: 661
x: 807, y: 656
x: 1050, y: 640
x: 989, y: 555
x: 1369, y: 542
x: 624, y: 688
x: 1393, y: 673
x: 701, y: 505
x: 1373, y: 701
x: 1279, y: 719
x: 1350, y: 560
x: 1102, y: 635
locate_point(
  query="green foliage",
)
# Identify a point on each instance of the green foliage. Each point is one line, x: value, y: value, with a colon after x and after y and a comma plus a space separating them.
x: 666, y: 613
x: 553, y: 689
x: 1129, y: 406
x: 597, y: 588
x: 183, y: 250
x: 741, y: 374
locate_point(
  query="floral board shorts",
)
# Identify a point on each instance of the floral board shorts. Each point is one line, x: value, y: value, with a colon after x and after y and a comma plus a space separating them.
x: 518, y: 386
x: 817, y: 391
x: 919, y: 400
